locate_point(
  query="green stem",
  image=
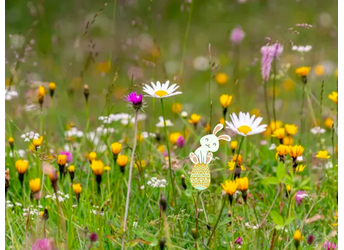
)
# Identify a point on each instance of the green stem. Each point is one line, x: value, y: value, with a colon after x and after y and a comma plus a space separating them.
x: 132, y: 160
x: 186, y: 39
x: 168, y: 152
x: 217, y: 222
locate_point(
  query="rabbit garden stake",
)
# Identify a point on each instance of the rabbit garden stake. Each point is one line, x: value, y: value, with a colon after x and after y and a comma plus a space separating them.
x: 200, y: 175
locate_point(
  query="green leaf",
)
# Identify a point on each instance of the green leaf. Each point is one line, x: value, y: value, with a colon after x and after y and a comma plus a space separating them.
x: 188, y: 192
x: 288, y: 181
x: 212, y: 218
x: 289, y: 220
x: 304, y: 182
x: 225, y: 221
x: 280, y: 172
x: 270, y: 180
x: 277, y: 218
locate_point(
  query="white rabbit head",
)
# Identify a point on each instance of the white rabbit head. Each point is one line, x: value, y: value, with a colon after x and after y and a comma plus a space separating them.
x: 212, y: 141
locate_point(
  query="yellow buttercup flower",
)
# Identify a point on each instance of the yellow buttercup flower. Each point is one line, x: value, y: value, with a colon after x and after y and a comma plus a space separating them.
x: 97, y: 167
x: 222, y: 121
x: 61, y: 160
x: 231, y: 165
x: 107, y: 168
x: 328, y: 123
x: 11, y: 140
x: 234, y: 144
x: 333, y: 96
x: 230, y: 187
x: 300, y: 168
x: 288, y: 140
x: 242, y: 183
x: 288, y: 188
x: 176, y: 108
x: 303, y: 71
x: 92, y: 156
x: 173, y: 137
x: 116, y: 148
x: 140, y: 164
x: 225, y: 100
x: 336, y: 217
x: 288, y: 85
x: 237, y: 159
x: 319, y: 70
x: 207, y: 128
x: 255, y: 112
x: 52, y: 86
x: 336, y: 73
x: 161, y: 148
x: 35, y: 185
x: 194, y: 119
x: 71, y: 168
x: 297, y: 235
x: 290, y: 129
x: 282, y: 150
x: 41, y: 91
x: 21, y: 166
x: 296, y: 151
x: 37, y: 142
x: 77, y: 188
x: 279, y: 133
x: 323, y: 154
x: 221, y: 78
x: 122, y: 160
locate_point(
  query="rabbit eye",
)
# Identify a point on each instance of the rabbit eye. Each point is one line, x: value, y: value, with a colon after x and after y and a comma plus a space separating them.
x: 214, y: 144
x: 206, y: 139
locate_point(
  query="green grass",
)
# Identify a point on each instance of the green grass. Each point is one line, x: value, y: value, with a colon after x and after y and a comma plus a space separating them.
x: 161, y: 39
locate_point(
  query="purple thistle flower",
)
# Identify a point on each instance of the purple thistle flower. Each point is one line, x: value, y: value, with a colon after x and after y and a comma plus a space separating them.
x: 238, y: 241
x: 299, y: 197
x: 180, y: 141
x: 310, y: 239
x: 42, y: 244
x: 330, y: 246
x: 134, y: 98
x: 93, y: 237
x: 68, y: 154
x: 237, y: 35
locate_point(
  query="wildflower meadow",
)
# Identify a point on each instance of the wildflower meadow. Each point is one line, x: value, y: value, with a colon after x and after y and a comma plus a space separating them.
x: 176, y: 124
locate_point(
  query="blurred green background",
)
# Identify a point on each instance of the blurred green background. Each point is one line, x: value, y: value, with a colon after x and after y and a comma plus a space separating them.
x: 148, y: 40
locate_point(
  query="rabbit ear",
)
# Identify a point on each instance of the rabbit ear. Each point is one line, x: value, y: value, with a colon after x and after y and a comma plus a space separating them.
x: 217, y: 128
x: 225, y: 137
x: 193, y: 158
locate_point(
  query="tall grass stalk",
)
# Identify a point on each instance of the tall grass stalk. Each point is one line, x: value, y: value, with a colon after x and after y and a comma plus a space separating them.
x: 168, y: 152
x: 132, y: 160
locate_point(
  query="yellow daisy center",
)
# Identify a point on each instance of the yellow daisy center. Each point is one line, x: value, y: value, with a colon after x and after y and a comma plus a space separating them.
x: 161, y: 93
x: 244, y: 129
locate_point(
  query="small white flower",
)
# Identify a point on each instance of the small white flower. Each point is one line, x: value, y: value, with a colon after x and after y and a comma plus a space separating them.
x: 18, y: 204
x: 160, y: 124
x: 328, y: 165
x: 155, y: 182
x: 147, y: 134
x: 27, y: 139
x: 301, y: 49
x: 142, y: 187
x: 317, y: 130
x: 161, y: 90
x: 184, y: 114
x: 273, y: 146
x: 135, y: 224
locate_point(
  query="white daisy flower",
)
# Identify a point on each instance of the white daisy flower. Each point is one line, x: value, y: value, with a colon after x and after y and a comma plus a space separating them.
x: 161, y: 90
x: 160, y: 124
x: 302, y: 49
x: 246, y: 125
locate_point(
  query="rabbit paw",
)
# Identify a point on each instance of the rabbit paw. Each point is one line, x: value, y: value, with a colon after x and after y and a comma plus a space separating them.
x: 193, y: 158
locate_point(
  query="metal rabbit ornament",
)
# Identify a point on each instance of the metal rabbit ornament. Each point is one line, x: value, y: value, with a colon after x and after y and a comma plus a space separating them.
x: 200, y: 175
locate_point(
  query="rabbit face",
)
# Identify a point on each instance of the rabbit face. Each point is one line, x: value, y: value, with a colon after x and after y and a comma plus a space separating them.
x: 210, y: 142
